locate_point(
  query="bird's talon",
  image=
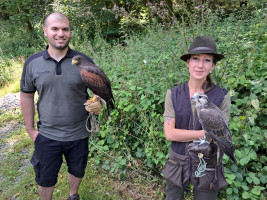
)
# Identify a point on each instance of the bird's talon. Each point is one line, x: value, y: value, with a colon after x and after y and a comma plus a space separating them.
x: 202, y: 141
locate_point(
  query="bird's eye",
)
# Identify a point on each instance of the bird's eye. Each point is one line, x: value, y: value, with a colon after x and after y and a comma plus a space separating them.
x: 200, y: 97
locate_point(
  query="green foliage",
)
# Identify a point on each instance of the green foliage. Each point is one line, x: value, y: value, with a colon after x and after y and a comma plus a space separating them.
x: 245, y: 77
x: 10, y: 70
x: 148, y: 64
x: 141, y: 73
x: 5, y: 72
x: 91, y: 18
x: 19, y: 42
x: 24, y: 13
x: 20, y: 26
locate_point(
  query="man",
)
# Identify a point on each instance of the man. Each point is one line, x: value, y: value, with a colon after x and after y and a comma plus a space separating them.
x: 61, y: 128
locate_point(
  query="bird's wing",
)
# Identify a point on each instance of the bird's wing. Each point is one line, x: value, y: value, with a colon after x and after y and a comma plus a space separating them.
x: 213, y: 120
x: 214, y: 124
x: 98, y: 82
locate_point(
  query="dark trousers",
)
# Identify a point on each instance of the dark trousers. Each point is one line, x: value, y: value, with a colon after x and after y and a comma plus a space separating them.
x: 176, y: 193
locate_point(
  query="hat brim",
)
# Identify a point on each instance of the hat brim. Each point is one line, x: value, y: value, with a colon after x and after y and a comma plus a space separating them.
x: 217, y: 56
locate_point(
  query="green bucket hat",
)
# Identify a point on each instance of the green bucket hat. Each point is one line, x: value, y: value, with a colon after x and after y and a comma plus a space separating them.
x: 203, y: 45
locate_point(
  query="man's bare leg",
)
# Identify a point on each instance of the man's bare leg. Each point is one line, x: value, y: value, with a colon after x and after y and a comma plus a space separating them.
x: 74, y: 184
x: 45, y: 193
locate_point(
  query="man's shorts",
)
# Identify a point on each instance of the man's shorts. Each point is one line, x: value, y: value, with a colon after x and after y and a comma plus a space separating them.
x: 48, y: 157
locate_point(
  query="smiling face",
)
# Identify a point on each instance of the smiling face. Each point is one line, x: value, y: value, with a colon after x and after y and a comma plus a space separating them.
x: 58, y: 32
x: 200, y: 65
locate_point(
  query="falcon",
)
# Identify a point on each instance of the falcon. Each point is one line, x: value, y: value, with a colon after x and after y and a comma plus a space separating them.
x: 96, y: 80
x: 215, y: 126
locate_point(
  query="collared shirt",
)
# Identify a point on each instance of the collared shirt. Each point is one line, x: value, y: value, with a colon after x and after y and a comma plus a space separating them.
x: 62, y: 94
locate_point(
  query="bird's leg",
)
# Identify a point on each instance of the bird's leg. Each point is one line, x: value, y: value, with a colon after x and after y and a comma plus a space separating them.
x: 93, y: 99
x: 219, y: 155
x: 214, y: 184
x: 201, y: 140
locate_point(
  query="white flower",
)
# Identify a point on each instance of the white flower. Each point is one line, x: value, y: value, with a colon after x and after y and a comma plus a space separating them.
x: 255, y: 82
x: 232, y: 93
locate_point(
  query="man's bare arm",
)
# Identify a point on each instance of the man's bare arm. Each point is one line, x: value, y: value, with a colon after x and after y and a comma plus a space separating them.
x: 28, y: 111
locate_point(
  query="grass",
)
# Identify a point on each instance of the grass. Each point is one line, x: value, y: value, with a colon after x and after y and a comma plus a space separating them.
x: 139, y: 88
x: 12, y: 87
x: 14, y: 74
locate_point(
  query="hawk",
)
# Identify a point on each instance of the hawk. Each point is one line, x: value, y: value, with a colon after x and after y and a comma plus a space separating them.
x: 215, y: 126
x: 96, y: 80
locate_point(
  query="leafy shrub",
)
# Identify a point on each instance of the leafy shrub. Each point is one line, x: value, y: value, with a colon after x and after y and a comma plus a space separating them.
x: 141, y: 73
x: 10, y: 71
x: 5, y: 72
x: 148, y: 64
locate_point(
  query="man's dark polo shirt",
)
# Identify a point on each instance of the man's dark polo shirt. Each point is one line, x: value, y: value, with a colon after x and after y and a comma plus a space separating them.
x: 62, y: 94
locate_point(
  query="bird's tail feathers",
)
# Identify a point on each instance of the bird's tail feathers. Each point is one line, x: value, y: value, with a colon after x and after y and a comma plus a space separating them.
x: 112, y: 102
x: 228, y: 149
x: 108, y: 110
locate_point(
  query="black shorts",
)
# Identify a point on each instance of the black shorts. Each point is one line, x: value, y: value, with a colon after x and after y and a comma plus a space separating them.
x: 48, y: 157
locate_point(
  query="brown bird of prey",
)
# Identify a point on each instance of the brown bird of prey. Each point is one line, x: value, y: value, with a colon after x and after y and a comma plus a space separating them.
x: 96, y: 80
x: 215, y: 126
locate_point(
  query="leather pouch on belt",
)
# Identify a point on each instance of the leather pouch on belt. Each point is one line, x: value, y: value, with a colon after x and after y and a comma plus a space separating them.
x: 203, y: 165
x: 176, y: 170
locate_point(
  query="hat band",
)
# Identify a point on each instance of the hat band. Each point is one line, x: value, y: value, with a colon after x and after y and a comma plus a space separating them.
x: 202, y: 48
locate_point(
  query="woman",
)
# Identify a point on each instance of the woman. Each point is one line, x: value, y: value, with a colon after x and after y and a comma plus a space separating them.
x: 181, y: 125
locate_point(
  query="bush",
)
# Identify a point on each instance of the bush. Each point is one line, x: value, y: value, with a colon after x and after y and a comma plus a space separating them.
x: 141, y: 73
x: 148, y: 64
x: 5, y: 72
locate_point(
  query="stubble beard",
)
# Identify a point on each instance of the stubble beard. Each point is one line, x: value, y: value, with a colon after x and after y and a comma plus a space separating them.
x: 60, y: 46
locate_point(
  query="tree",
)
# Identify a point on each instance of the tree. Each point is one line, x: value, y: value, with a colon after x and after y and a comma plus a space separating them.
x: 24, y: 12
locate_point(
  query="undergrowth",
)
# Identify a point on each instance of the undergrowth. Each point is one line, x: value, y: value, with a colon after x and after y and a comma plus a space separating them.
x: 10, y: 73
x: 148, y: 64
x: 143, y: 70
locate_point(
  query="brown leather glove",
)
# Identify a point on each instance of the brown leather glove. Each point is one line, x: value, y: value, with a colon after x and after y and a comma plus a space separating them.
x: 95, y: 107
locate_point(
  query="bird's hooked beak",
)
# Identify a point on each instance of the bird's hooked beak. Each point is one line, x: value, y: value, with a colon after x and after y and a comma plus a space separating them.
x: 195, y: 97
x: 74, y: 61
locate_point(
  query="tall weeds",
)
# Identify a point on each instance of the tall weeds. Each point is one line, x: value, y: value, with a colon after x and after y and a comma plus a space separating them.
x: 143, y: 70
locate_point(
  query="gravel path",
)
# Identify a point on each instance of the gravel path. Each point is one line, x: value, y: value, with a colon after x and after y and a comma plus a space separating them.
x: 9, y: 101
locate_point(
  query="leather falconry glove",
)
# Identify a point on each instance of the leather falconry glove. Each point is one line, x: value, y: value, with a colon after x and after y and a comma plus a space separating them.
x: 94, y: 107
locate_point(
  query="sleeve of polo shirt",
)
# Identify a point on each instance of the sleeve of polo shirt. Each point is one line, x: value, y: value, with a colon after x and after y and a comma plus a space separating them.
x: 225, y: 107
x: 169, y: 110
x: 26, y: 82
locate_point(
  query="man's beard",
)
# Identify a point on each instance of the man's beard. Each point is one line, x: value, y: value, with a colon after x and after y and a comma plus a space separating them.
x: 59, y: 46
